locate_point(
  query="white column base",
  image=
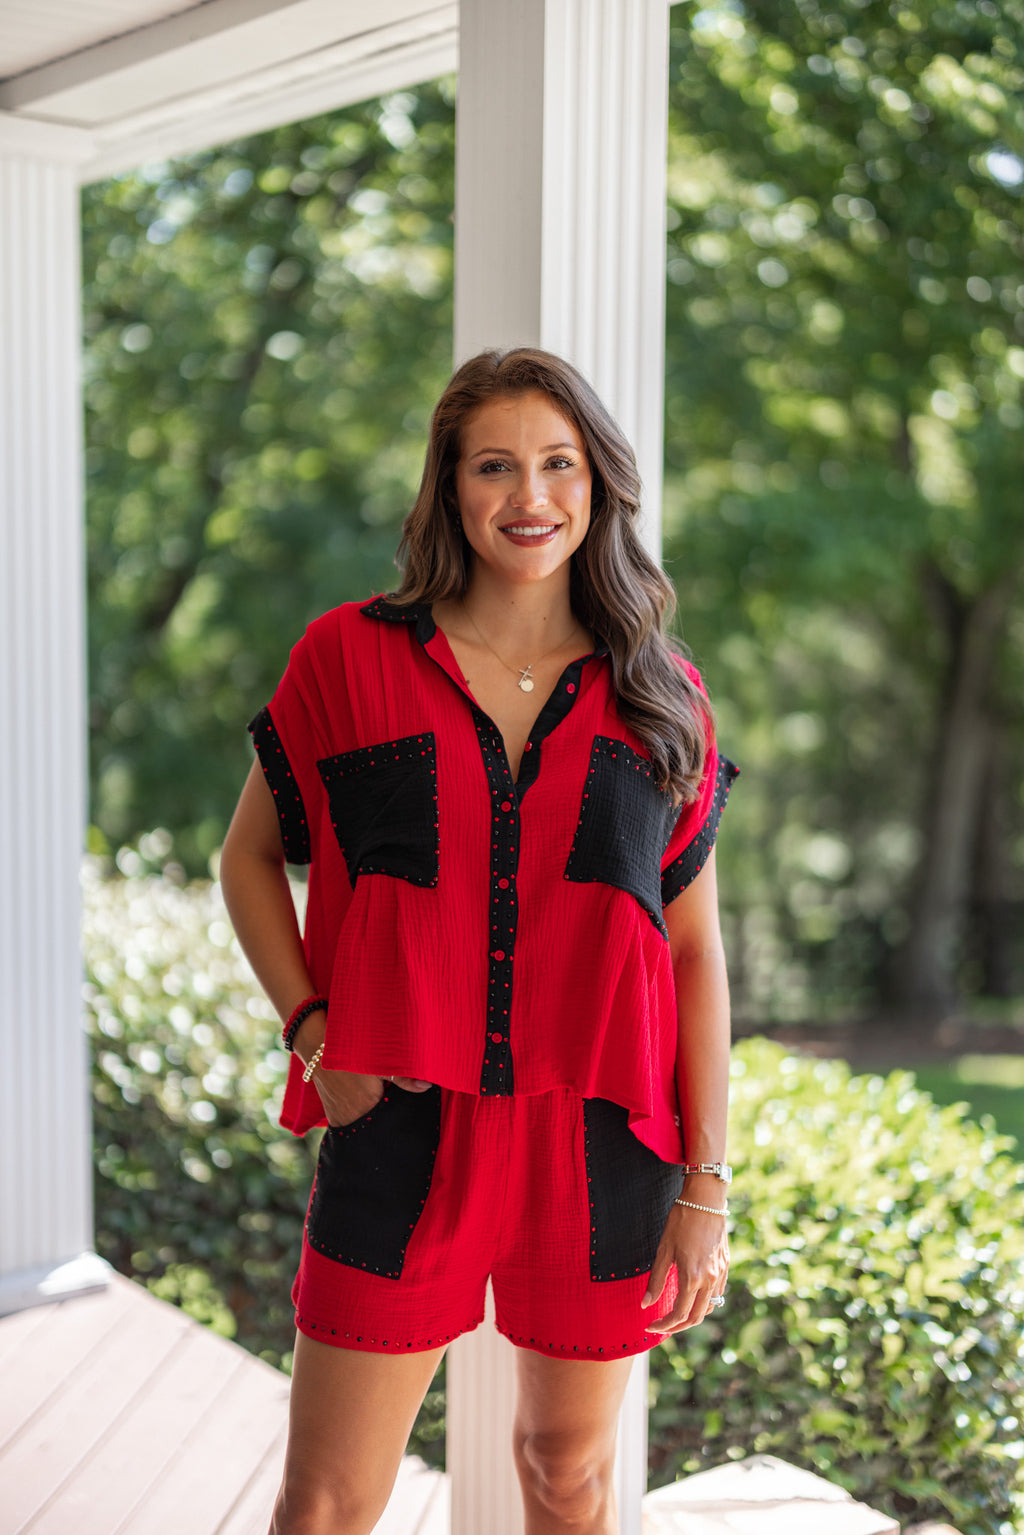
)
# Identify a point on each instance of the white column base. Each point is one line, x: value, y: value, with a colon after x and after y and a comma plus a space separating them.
x: 48, y: 1283
x: 481, y: 1413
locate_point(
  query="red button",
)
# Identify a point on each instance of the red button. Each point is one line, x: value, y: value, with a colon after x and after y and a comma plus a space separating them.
x: 495, y: 1039
x: 503, y: 884
x: 506, y: 804
x: 528, y: 747
x: 570, y: 687
x: 498, y: 954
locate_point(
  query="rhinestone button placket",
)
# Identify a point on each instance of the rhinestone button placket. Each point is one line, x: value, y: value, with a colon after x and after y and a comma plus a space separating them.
x: 496, y: 1072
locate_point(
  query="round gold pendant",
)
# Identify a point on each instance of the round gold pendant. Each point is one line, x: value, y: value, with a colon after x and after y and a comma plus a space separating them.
x: 526, y: 685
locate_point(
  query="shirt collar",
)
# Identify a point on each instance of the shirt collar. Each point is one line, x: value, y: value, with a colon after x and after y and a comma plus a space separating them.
x: 418, y: 613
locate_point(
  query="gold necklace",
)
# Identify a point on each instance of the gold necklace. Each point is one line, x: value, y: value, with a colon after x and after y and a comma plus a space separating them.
x: 525, y: 682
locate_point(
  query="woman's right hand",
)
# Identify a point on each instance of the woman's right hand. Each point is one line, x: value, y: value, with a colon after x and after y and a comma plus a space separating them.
x: 347, y: 1095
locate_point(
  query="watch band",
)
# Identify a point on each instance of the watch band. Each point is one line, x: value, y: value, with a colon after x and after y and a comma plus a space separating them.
x: 721, y: 1170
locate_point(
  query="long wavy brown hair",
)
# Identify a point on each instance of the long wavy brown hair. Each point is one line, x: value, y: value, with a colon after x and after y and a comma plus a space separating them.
x: 617, y: 591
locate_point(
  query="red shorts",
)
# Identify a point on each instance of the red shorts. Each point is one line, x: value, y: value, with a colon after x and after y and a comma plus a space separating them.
x: 421, y: 1200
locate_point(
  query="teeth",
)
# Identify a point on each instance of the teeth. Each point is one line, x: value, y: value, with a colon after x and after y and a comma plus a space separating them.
x: 532, y: 532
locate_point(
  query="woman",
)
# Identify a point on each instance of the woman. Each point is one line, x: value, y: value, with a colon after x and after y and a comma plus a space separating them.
x: 510, y: 1005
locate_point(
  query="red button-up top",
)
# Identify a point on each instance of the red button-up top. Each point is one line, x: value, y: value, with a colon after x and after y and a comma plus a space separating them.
x: 489, y: 935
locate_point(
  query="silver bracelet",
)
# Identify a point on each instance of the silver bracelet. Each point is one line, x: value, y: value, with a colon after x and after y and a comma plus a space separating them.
x: 710, y: 1209
x: 721, y: 1170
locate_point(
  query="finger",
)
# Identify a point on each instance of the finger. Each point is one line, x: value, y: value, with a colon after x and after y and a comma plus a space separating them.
x: 658, y: 1280
x: 689, y: 1308
x: 701, y: 1309
x: 410, y: 1084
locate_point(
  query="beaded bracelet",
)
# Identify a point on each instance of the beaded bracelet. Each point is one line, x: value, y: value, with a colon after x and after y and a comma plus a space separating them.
x: 313, y: 1063
x: 711, y: 1209
x: 298, y: 1017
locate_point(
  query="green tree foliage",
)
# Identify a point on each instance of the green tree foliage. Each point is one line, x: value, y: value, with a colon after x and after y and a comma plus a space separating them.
x: 267, y: 326
x: 846, y: 357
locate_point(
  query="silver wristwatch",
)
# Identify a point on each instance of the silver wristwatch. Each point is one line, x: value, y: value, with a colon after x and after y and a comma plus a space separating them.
x: 721, y: 1170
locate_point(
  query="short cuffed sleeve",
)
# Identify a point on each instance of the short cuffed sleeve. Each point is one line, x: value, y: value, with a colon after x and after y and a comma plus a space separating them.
x: 287, y: 739
x: 694, y: 833
x: 283, y: 785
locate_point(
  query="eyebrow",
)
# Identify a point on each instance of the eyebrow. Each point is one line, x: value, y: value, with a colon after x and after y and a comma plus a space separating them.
x: 509, y: 454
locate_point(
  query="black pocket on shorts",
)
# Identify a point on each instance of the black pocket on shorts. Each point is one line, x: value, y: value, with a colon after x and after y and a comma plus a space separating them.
x: 630, y: 1191
x: 624, y: 826
x: 372, y: 1181
x: 383, y: 803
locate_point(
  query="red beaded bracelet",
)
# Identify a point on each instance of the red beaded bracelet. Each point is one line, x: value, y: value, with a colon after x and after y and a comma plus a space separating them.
x: 298, y: 1017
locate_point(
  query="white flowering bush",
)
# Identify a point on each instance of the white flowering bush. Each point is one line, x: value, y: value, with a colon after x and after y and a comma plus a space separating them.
x: 198, y: 1192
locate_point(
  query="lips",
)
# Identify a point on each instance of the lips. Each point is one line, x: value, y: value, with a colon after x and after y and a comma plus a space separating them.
x: 530, y: 533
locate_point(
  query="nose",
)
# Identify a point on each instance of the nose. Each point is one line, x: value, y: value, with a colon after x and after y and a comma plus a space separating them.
x: 529, y: 492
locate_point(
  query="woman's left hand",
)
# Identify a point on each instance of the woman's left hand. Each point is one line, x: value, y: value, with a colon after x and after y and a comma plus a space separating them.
x: 697, y: 1244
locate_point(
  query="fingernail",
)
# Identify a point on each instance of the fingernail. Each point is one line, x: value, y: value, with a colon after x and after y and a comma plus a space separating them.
x: 647, y: 1299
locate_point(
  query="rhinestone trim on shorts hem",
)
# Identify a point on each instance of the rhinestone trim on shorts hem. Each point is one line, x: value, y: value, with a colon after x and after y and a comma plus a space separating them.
x: 347, y: 1337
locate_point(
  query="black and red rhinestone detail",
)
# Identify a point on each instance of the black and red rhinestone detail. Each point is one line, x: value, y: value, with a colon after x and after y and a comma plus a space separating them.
x: 392, y: 612
x: 383, y: 804
x: 630, y: 1191
x: 372, y: 1181
x: 682, y: 871
x: 496, y: 1071
x: 565, y: 694
x: 624, y: 826
x: 283, y: 785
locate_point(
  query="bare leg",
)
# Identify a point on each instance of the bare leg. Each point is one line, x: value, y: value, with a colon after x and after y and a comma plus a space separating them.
x: 350, y: 1419
x: 566, y: 1416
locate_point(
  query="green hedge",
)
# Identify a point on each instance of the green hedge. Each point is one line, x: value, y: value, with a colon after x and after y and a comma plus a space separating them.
x: 873, y: 1324
x: 873, y: 1328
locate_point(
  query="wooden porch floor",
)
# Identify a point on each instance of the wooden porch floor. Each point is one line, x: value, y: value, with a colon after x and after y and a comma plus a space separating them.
x: 119, y: 1415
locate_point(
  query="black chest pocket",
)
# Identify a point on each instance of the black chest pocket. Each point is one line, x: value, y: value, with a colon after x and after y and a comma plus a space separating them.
x: 624, y: 826
x: 383, y: 803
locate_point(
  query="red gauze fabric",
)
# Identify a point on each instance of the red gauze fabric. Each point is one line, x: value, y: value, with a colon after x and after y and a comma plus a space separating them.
x: 489, y: 936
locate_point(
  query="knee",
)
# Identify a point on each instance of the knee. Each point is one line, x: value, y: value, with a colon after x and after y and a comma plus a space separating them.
x: 305, y: 1508
x: 569, y: 1480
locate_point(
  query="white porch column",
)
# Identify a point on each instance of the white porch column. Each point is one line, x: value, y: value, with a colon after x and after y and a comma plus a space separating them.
x: 560, y: 197
x: 559, y: 242
x: 45, y: 1162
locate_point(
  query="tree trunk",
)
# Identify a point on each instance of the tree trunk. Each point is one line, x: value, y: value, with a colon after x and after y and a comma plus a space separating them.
x: 992, y: 903
x: 924, y: 971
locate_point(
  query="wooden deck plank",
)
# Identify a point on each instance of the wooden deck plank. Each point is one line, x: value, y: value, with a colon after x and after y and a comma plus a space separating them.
x: 21, y: 1324
x: 42, y: 1358
x: 138, y: 1445
x: 436, y: 1517
x: 211, y: 1467
x: 409, y: 1504
x: 125, y: 1417
x: 251, y: 1513
x: 57, y: 1439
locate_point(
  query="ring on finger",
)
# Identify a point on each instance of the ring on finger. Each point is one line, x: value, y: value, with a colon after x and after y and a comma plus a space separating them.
x: 716, y: 1300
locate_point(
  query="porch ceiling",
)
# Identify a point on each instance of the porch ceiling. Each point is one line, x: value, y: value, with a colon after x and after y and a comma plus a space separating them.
x: 192, y: 75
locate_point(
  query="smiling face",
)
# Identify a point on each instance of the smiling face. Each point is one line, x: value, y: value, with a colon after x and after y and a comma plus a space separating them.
x: 523, y: 485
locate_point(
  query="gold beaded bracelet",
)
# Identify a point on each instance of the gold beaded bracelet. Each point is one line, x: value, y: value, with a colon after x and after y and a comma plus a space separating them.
x: 313, y: 1063
x: 710, y: 1209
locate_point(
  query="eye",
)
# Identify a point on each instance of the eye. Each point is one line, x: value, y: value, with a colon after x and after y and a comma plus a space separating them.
x: 492, y: 466
x: 561, y: 462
